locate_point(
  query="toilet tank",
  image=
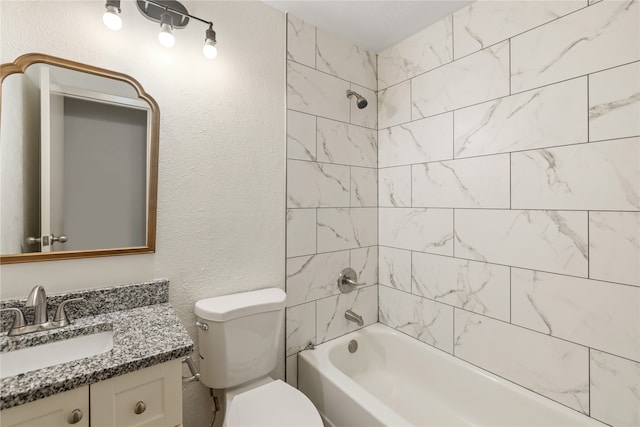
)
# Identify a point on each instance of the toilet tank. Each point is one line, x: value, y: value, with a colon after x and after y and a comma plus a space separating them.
x: 239, y: 343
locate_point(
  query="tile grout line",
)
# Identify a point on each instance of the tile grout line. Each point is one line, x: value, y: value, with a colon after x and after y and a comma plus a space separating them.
x: 588, y: 245
x: 588, y: 101
x: 315, y: 50
x: 507, y: 265
x: 479, y: 156
x: 589, y: 378
x: 510, y: 74
x: 575, y: 145
x: 453, y: 135
x: 336, y: 164
x: 503, y: 209
x: 315, y: 120
x: 411, y: 119
x: 510, y: 184
x: 453, y: 213
x: 351, y: 188
x: 453, y: 40
x: 453, y: 338
x: 511, y: 295
x: 286, y: 190
x: 410, y: 186
x: 306, y: 113
x: 342, y: 79
x: 411, y: 271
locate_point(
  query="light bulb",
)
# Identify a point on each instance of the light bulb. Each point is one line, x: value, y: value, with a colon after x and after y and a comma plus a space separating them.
x: 111, y: 18
x: 209, y: 49
x: 166, y: 36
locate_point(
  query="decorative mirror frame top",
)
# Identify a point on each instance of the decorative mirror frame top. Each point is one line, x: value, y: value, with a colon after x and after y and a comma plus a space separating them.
x: 19, y: 66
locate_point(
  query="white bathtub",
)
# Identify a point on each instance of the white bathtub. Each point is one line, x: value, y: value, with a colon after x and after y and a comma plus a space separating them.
x: 395, y: 380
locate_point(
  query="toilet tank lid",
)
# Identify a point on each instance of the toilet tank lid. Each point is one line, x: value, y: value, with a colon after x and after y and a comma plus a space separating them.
x: 228, y: 307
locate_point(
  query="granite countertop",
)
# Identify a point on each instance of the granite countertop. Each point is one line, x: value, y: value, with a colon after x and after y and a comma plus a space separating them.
x: 142, y: 336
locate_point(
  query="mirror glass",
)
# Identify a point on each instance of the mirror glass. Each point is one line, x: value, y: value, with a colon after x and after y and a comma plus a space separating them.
x: 78, y: 162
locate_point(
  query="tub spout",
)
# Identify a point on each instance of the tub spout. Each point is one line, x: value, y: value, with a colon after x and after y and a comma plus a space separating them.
x: 350, y: 315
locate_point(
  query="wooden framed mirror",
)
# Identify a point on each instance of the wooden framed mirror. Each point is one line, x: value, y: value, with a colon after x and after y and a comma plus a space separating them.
x: 78, y: 161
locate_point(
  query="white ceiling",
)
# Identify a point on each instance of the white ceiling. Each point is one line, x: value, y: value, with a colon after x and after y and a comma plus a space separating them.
x: 374, y: 25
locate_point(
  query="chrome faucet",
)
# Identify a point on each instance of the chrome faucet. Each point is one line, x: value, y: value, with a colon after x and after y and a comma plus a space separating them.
x: 350, y: 315
x: 38, y: 300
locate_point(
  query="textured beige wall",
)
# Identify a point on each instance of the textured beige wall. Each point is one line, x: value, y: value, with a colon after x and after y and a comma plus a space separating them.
x: 221, y: 187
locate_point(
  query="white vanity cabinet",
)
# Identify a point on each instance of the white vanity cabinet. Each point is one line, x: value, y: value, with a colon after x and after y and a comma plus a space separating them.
x: 63, y: 409
x: 148, y: 397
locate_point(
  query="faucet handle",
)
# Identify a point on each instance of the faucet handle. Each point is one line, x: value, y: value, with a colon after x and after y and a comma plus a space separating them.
x: 18, y: 319
x: 61, y: 314
x: 347, y: 280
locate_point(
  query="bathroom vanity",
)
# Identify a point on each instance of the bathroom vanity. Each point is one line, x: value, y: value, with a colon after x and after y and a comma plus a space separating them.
x: 150, y: 396
x: 136, y: 382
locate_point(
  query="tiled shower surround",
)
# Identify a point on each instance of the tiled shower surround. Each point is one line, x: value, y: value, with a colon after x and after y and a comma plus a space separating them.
x: 332, y: 193
x: 508, y: 219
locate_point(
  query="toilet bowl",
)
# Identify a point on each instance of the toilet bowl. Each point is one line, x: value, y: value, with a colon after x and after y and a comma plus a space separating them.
x: 274, y: 403
x: 238, y: 340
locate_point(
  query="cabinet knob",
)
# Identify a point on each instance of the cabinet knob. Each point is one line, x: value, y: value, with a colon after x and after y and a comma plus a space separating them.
x: 140, y: 407
x: 75, y: 416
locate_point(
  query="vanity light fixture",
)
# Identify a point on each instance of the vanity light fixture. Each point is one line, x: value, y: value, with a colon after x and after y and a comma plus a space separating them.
x: 171, y: 15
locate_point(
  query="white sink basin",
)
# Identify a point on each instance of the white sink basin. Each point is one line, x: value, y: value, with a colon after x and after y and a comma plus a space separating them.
x: 44, y: 355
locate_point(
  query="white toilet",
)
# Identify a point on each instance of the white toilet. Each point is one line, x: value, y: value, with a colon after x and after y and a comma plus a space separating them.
x: 238, y: 337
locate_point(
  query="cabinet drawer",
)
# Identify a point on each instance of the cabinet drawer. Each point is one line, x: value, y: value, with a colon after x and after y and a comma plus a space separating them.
x: 55, y: 411
x: 148, y: 397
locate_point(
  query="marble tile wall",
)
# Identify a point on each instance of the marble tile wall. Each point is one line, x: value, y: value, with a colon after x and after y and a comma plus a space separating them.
x: 509, y: 196
x: 332, y: 186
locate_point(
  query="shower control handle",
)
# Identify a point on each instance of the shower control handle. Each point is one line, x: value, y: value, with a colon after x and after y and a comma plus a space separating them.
x: 348, y: 280
x: 351, y: 282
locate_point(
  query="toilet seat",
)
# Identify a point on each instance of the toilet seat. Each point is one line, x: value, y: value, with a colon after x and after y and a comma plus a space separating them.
x: 273, y: 404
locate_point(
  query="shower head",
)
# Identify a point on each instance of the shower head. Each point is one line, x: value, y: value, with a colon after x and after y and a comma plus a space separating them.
x: 360, y: 100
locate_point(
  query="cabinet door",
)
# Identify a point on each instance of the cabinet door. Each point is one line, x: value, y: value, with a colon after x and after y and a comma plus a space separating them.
x: 145, y: 398
x: 63, y: 409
